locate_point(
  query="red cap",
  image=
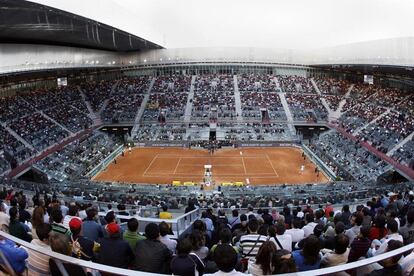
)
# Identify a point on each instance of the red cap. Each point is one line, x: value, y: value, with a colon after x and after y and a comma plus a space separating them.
x: 75, y: 223
x: 112, y: 228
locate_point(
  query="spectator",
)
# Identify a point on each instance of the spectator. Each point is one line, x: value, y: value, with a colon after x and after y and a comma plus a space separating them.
x: 360, y: 245
x: 198, y: 241
x: 131, y: 235
x: 73, y: 212
x: 339, y: 255
x: 90, y: 228
x: 309, y: 224
x: 281, y: 239
x: 4, y: 218
x: 15, y: 255
x: 296, y: 232
x: 186, y: 263
x: 392, y: 227
x: 226, y: 260
x: 115, y: 251
x: 17, y: 228
x: 356, y: 222
x: 262, y: 264
x: 407, y: 231
x: 164, y: 231
x: 250, y: 243
x: 56, y: 222
x: 37, y: 219
x: 150, y: 254
x: 309, y: 257
x: 378, y: 230
x: 60, y: 244
x: 225, y: 238
x: 234, y: 220
x: 37, y: 263
x: 165, y: 214
x: 82, y: 247
x: 283, y: 262
x: 390, y: 265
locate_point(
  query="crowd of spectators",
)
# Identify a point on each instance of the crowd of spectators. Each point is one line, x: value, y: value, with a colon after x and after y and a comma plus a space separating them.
x: 170, y: 105
x: 77, y: 158
x: 296, y: 84
x: 388, y: 131
x: 96, y: 93
x: 331, y: 86
x: 349, y: 155
x: 172, y: 83
x: 306, y: 107
x: 260, y: 241
x: 256, y: 83
x: 253, y: 102
x: 126, y: 99
x: 38, y: 131
x: 360, y: 115
x: 157, y: 132
x: 214, y: 91
x: 12, y: 147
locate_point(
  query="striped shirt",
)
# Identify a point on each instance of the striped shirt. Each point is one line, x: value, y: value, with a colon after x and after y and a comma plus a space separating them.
x: 37, y: 263
x: 250, y: 244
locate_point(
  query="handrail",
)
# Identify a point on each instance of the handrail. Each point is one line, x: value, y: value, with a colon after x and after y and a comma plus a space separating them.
x: 121, y: 271
x: 69, y: 259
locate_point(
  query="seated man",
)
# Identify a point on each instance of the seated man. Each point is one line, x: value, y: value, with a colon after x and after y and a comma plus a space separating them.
x: 226, y: 260
x: 390, y: 265
x: 151, y: 255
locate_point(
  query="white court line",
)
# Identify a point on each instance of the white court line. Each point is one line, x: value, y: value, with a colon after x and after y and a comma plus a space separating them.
x: 214, y: 166
x: 152, y: 161
x: 213, y: 157
x: 268, y: 159
x: 244, y: 165
x: 272, y: 175
x: 176, y: 167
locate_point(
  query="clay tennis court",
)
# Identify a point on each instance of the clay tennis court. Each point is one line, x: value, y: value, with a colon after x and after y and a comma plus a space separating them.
x: 248, y: 165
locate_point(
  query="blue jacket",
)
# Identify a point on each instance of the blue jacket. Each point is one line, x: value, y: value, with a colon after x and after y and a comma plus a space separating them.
x: 15, y: 255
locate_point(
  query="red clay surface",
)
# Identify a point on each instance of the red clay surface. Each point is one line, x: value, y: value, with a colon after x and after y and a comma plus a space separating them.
x: 248, y: 165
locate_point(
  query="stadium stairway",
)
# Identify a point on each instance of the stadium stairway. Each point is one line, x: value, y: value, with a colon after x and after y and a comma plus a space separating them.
x: 15, y: 135
x: 237, y: 101
x: 141, y: 109
x: 189, y: 105
x: 400, y: 144
x: 338, y: 112
x: 358, y: 130
x: 95, y: 117
x: 278, y: 88
x: 323, y: 100
x: 288, y: 113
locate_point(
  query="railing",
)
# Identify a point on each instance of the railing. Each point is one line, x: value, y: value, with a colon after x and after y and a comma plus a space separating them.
x: 96, y: 268
x: 105, y: 162
x: 179, y: 225
x: 318, y: 161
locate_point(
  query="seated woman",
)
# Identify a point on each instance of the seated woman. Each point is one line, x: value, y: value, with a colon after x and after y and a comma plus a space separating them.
x: 309, y: 257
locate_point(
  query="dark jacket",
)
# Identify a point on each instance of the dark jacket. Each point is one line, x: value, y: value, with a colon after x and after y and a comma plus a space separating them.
x: 115, y: 252
x: 184, y: 265
x: 152, y: 256
x: 17, y: 229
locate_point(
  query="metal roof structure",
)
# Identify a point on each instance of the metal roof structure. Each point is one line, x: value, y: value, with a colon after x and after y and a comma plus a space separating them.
x: 31, y: 23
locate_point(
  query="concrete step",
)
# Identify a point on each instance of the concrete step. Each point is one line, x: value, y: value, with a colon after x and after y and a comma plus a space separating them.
x: 189, y: 105
x: 237, y: 100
